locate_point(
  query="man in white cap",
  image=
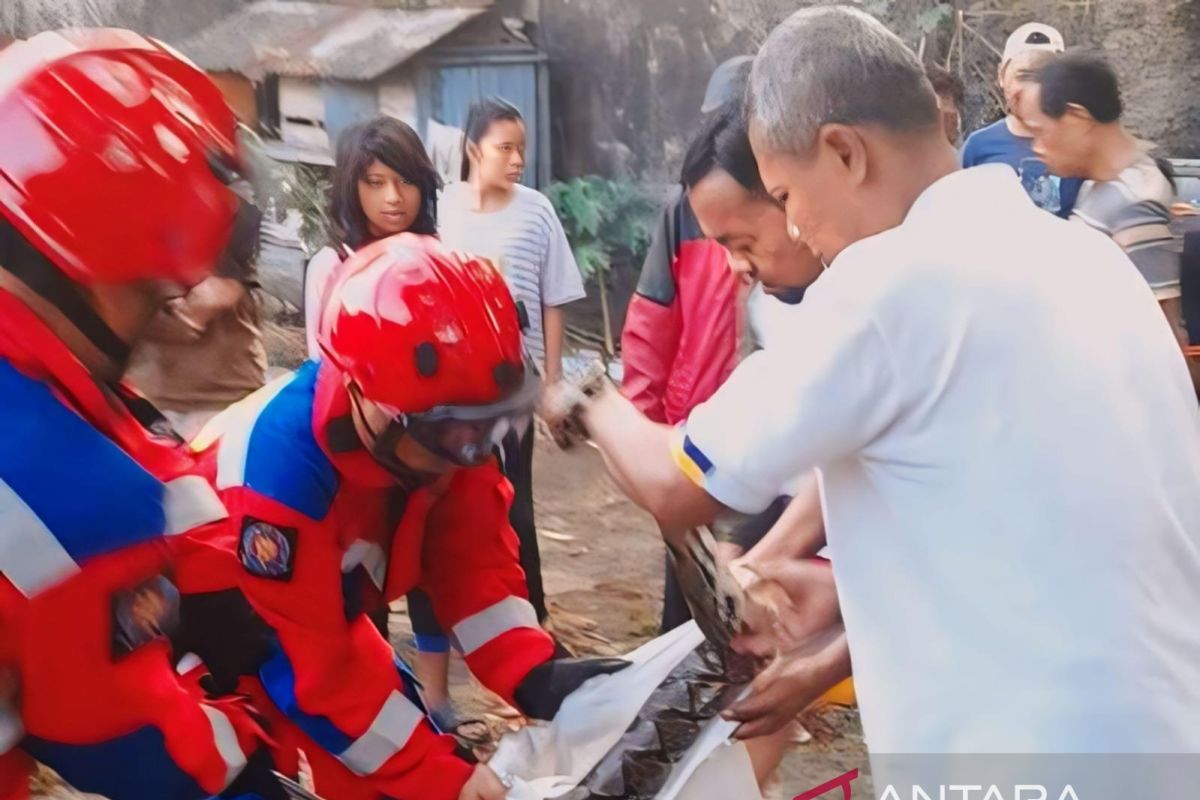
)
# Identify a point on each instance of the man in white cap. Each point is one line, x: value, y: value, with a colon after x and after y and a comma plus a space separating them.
x: 1008, y: 140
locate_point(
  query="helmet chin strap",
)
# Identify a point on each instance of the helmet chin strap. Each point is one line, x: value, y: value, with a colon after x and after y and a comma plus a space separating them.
x: 382, y: 447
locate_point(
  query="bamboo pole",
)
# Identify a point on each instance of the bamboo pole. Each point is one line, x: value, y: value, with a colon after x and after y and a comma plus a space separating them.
x: 610, y: 348
x: 959, y: 24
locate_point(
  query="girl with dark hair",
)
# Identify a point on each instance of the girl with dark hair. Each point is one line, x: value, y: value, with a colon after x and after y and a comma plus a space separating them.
x: 383, y: 184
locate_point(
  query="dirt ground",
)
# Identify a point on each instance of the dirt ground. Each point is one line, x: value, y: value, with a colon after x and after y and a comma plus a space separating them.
x: 602, y: 566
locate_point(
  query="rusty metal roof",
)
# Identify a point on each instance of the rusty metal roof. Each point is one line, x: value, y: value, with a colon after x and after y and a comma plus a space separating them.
x: 307, y: 39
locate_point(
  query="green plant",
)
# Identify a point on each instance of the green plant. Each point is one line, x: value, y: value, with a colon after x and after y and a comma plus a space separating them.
x: 931, y: 19
x: 306, y: 189
x: 604, y: 220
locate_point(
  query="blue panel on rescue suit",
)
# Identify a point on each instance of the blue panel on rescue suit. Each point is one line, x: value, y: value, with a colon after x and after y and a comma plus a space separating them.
x: 279, y: 680
x: 147, y: 771
x: 283, y: 460
x: 47, y: 451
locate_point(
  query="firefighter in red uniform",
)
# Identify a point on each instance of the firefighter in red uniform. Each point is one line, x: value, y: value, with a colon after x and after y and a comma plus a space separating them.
x: 113, y: 168
x: 356, y: 479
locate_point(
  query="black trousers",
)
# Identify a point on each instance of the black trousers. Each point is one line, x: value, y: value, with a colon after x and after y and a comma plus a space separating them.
x: 518, y: 468
x: 745, y: 535
x: 516, y: 458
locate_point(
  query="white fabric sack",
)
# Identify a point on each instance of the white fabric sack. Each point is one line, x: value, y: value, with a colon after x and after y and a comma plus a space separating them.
x: 546, y: 761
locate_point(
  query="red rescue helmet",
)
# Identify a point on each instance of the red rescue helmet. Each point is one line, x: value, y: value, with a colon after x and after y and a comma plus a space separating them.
x: 116, y: 157
x: 433, y: 338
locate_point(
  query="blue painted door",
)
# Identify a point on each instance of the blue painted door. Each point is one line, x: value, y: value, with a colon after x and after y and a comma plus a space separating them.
x: 347, y: 102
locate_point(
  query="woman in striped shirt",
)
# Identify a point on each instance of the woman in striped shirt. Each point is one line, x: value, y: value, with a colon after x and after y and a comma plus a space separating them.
x: 492, y: 215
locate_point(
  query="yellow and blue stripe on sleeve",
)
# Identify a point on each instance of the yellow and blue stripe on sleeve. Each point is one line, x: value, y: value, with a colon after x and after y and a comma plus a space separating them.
x: 690, y: 459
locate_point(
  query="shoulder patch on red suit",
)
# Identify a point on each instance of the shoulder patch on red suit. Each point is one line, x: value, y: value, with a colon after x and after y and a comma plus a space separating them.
x: 266, y: 550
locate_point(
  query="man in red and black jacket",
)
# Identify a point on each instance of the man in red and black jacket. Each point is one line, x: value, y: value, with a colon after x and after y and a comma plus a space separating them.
x: 682, y: 330
x: 681, y: 337
x: 684, y: 327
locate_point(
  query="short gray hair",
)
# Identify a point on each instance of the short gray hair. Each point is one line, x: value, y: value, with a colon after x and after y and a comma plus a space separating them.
x: 835, y: 64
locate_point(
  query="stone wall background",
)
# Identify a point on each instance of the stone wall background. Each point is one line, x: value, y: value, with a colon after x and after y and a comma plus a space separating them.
x: 628, y: 75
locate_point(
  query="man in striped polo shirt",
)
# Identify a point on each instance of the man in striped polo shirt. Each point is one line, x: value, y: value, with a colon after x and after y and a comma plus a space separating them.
x: 1074, y: 110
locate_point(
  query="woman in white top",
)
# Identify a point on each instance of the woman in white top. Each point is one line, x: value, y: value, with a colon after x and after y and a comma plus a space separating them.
x: 383, y: 184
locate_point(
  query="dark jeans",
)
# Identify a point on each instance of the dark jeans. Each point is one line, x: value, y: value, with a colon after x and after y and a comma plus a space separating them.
x: 745, y: 535
x: 516, y: 458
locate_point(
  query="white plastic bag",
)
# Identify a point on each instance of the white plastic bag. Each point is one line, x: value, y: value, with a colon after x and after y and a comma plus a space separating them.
x: 546, y: 761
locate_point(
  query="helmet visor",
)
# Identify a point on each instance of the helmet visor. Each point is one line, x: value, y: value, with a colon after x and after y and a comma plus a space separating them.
x: 467, y: 435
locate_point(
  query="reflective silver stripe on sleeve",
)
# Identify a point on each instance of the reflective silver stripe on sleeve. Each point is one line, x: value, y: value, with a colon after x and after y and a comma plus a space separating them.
x: 188, y: 663
x: 33, y: 558
x: 388, y: 734
x: 226, y: 741
x: 30, y: 555
x: 189, y: 502
x: 478, y: 629
x: 370, y: 556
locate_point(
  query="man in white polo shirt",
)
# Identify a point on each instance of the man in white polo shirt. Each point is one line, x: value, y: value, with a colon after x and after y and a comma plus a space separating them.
x: 1010, y: 478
